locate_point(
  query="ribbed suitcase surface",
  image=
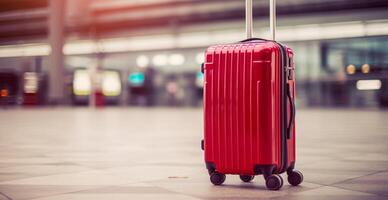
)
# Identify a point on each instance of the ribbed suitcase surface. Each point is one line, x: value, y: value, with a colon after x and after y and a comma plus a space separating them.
x: 242, y: 107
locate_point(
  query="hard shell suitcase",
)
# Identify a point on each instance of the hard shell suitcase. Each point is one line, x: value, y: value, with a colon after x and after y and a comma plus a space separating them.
x: 249, y: 109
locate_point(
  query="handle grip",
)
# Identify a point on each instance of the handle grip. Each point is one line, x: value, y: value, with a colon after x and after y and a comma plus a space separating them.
x: 253, y: 39
x: 249, y: 18
x: 292, y: 113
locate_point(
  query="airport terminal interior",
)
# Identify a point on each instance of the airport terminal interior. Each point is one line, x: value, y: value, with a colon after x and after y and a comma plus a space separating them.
x: 103, y: 99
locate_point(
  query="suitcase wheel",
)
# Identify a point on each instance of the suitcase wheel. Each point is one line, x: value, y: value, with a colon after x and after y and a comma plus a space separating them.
x: 246, y: 178
x: 217, y: 178
x: 274, y: 182
x: 295, y: 178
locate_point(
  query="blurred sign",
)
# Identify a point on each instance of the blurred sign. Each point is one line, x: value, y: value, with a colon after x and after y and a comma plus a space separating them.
x: 81, y: 83
x: 136, y: 79
x: 31, y: 82
x: 368, y: 85
x: 199, y: 80
x: 111, y: 83
x: 4, y: 93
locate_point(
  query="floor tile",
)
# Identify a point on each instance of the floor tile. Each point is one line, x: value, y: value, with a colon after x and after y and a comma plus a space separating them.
x: 88, y: 178
x: 119, y: 196
x: 374, y: 183
x: 24, y: 192
x: 333, y: 193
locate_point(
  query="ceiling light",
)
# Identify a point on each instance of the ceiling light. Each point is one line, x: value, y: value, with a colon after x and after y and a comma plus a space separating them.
x: 159, y: 60
x: 200, y: 58
x: 365, y: 68
x: 351, y: 69
x: 176, y: 59
x: 142, y: 61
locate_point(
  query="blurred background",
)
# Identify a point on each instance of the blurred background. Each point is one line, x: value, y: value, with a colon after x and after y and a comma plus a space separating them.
x: 149, y: 52
x: 60, y: 57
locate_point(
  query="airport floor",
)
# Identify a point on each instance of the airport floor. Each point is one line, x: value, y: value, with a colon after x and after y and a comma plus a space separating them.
x: 140, y: 153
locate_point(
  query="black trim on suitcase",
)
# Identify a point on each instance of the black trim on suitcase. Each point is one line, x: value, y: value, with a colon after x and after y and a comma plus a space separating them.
x: 283, y: 68
x: 291, y: 168
x: 211, y: 167
x: 265, y: 170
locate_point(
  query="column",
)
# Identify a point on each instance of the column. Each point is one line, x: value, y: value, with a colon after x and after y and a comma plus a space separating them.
x: 56, y: 60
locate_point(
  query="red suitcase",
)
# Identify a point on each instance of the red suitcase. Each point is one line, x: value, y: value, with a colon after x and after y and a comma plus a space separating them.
x: 249, y: 109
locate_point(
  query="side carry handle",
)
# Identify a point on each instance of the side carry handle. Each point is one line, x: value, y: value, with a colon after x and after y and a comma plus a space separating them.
x: 292, y: 113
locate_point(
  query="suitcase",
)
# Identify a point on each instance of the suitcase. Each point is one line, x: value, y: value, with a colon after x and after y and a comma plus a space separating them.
x: 249, y: 109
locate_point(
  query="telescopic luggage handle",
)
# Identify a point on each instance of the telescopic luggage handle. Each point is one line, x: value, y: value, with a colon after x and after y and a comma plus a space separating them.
x: 249, y: 18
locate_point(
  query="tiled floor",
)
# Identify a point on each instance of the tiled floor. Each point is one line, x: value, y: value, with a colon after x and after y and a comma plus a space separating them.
x: 123, y: 153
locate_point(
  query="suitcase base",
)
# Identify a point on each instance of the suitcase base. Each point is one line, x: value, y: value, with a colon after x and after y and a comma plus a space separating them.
x: 273, y: 181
